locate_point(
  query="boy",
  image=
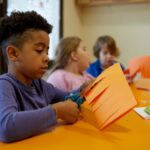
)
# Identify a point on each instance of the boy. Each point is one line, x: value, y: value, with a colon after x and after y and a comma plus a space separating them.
x: 25, y: 99
x: 106, y: 51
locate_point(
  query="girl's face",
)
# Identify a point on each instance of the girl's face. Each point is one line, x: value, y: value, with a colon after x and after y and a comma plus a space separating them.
x: 105, y: 56
x: 82, y: 57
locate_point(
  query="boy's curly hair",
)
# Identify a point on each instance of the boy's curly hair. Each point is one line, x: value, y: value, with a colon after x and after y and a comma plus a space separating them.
x: 19, y: 22
x: 13, y: 27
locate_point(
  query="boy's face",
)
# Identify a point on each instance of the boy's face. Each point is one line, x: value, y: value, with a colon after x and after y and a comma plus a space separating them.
x: 106, y: 57
x: 33, y: 56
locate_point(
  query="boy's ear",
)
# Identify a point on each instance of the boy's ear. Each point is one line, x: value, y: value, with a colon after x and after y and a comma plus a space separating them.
x: 12, y: 53
x: 74, y: 56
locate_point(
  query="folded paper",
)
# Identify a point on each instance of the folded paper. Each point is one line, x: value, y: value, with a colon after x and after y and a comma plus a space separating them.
x: 109, y: 96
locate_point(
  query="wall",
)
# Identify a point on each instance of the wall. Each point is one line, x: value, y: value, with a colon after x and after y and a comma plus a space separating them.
x: 72, y: 19
x: 128, y: 24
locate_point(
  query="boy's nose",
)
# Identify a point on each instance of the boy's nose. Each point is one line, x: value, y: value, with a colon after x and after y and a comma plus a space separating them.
x: 46, y: 59
x: 109, y: 56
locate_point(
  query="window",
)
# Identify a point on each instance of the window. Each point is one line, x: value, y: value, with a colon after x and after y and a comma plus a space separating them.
x: 49, y: 9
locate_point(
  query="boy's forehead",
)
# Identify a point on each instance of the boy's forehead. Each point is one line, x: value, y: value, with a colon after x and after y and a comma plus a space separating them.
x: 104, y: 46
x: 36, y: 35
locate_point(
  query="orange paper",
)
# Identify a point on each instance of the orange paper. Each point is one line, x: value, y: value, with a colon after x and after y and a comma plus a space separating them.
x: 143, y: 84
x: 140, y: 64
x: 109, y: 96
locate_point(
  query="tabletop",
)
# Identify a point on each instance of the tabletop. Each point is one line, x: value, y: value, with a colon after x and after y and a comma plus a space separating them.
x: 129, y: 132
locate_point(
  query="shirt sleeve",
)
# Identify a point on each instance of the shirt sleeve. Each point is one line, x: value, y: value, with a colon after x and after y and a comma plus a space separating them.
x: 16, y: 125
x: 54, y: 94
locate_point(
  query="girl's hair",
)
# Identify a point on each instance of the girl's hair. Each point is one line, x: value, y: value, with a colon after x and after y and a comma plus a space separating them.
x: 63, y: 51
x: 111, y: 44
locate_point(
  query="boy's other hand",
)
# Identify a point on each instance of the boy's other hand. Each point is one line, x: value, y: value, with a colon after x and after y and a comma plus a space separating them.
x: 85, y: 86
x: 67, y: 111
x: 129, y: 78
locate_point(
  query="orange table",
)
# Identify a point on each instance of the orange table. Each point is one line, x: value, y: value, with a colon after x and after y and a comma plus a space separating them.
x: 129, y: 132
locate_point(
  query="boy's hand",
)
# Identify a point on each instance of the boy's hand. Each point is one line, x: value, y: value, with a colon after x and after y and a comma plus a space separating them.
x: 85, y: 85
x: 129, y: 78
x: 67, y: 111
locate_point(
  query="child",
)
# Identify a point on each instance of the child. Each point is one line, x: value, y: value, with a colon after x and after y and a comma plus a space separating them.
x: 106, y: 51
x: 28, y: 105
x: 72, y: 59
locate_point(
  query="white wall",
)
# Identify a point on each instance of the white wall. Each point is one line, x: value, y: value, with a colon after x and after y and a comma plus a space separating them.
x: 128, y: 24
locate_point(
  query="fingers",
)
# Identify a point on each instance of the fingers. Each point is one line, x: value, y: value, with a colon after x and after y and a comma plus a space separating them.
x: 67, y: 111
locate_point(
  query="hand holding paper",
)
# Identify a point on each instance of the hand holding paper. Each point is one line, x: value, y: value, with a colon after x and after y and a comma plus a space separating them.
x: 143, y: 84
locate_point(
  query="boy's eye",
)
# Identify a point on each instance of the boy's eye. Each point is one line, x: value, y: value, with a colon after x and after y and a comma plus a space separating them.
x: 39, y: 51
x: 105, y: 52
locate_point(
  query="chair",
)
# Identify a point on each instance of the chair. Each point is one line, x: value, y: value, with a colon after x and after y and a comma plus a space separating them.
x: 140, y: 64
